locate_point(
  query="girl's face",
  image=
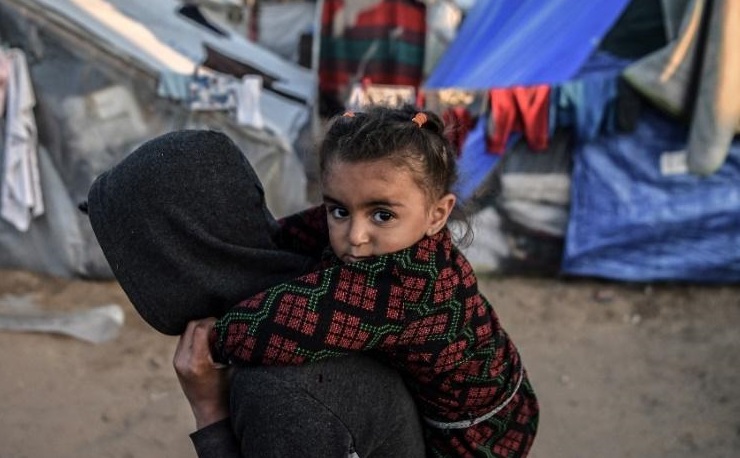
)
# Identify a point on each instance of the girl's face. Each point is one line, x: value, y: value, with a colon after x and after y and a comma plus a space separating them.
x: 377, y: 208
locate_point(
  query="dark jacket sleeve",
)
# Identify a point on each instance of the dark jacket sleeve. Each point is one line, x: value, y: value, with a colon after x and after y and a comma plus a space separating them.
x: 216, y: 441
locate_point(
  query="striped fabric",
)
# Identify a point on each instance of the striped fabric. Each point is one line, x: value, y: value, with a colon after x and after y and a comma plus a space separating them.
x: 385, y: 37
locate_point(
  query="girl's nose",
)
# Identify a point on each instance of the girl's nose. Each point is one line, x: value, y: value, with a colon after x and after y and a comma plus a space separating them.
x: 358, y: 233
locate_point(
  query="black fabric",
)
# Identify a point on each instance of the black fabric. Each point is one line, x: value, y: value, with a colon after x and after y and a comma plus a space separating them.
x: 639, y: 30
x: 183, y: 224
x: 216, y: 441
x: 326, y: 409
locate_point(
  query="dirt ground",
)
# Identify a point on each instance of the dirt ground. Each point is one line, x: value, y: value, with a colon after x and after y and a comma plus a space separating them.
x: 621, y: 371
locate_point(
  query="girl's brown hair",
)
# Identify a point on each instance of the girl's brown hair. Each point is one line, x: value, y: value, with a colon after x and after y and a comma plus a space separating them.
x: 405, y: 136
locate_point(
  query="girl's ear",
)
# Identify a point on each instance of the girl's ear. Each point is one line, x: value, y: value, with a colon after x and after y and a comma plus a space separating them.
x: 440, y: 212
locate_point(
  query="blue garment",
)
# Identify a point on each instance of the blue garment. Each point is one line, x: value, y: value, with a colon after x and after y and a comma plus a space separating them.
x: 200, y: 92
x: 588, y: 101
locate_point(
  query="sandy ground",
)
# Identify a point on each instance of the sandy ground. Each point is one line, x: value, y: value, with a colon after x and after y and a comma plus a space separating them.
x: 621, y: 371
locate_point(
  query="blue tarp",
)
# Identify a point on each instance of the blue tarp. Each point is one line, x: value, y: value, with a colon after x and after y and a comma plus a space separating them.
x: 475, y: 162
x: 503, y: 43
x: 630, y: 221
x: 629, y: 218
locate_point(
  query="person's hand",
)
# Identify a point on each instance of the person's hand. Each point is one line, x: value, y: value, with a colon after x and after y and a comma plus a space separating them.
x: 205, y: 383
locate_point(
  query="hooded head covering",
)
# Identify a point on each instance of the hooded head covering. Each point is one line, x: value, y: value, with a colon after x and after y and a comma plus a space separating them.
x: 183, y: 224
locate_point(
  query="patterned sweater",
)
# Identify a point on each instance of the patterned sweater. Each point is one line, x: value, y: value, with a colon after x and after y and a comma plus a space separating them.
x: 419, y: 309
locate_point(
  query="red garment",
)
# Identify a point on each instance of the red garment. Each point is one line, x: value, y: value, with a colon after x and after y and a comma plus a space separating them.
x: 418, y: 309
x: 519, y: 109
x: 458, y: 123
x: 421, y: 99
x: 383, y: 40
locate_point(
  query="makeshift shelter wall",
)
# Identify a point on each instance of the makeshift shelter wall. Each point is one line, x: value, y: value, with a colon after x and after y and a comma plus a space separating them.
x: 94, y: 106
x: 630, y: 219
x: 638, y: 215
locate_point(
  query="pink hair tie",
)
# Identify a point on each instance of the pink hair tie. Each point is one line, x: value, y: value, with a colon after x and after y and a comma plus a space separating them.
x: 349, y: 114
x: 420, y: 118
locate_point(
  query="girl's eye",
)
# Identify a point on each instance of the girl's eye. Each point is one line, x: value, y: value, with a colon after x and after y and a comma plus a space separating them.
x: 382, y: 216
x: 338, y: 212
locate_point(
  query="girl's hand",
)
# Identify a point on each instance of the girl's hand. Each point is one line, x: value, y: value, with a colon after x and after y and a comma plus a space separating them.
x: 205, y: 384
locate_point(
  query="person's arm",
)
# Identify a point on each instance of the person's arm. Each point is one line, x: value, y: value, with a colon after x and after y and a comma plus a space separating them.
x: 216, y: 440
x: 331, y: 312
x: 206, y: 387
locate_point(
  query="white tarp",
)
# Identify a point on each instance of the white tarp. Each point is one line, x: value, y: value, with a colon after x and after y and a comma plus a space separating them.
x: 95, y: 67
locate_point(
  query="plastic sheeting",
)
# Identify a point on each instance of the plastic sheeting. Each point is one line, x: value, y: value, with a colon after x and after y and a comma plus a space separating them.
x: 94, y: 106
x: 496, y: 42
x: 475, y: 161
x: 638, y: 215
x: 54, y: 243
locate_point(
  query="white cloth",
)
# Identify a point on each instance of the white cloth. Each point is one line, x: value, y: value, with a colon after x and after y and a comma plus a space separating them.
x: 386, y: 95
x: 20, y: 197
x: 248, y: 108
x: 4, y: 75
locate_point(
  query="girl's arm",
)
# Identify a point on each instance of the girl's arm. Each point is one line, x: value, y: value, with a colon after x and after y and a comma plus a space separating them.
x: 305, y: 232
x: 331, y: 312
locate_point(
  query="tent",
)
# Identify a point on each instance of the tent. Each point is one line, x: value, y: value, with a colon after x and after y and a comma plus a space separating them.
x: 108, y: 75
x: 620, y: 190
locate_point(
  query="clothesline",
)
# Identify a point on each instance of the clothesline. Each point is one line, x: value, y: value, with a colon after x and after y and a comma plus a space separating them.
x: 588, y: 105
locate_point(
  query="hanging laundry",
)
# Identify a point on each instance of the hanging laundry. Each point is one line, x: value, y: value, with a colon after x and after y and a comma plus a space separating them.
x: 366, y: 94
x: 248, y: 111
x: 4, y: 76
x: 420, y: 99
x: 459, y: 108
x: 207, y: 91
x: 439, y: 100
x: 519, y: 109
x: 211, y: 92
x: 379, y: 39
x: 458, y: 123
x: 20, y: 197
x: 587, y: 104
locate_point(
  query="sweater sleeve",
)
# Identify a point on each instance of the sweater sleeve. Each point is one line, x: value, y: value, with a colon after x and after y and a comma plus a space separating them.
x: 327, y: 313
x: 305, y: 232
x: 216, y: 441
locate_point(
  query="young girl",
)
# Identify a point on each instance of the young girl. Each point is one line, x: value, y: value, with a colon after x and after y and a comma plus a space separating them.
x: 394, y: 285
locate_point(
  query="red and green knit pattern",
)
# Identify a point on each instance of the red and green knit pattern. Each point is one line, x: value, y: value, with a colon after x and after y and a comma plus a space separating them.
x: 420, y: 308
x: 389, y: 35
